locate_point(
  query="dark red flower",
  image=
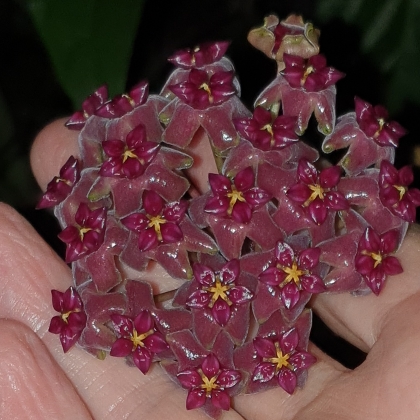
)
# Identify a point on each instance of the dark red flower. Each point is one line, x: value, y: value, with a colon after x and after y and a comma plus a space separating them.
x: 72, y: 320
x: 314, y: 191
x: 209, y: 381
x: 128, y: 159
x: 394, y: 192
x: 373, y: 120
x: 121, y: 104
x: 88, y: 233
x: 238, y: 199
x: 201, y: 90
x: 204, y: 54
x: 266, y: 132
x: 373, y: 261
x: 139, y: 338
x: 279, y: 357
x: 158, y: 223
x: 89, y: 107
x: 218, y: 291
x: 292, y: 273
x: 312, y: 74
x: 60, y: 186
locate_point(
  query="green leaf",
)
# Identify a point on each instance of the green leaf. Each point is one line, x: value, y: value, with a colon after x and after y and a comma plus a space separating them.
x: 89, y: 42
x: 390, y: 36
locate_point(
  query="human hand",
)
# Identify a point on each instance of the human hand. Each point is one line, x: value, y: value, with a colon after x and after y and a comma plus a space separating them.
x: 38, y: 381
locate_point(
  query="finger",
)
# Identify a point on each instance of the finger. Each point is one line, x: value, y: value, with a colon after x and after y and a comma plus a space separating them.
x: 32, y: 385
x: 51, y: 149
x: 360, y: 319
x: 111, y: 388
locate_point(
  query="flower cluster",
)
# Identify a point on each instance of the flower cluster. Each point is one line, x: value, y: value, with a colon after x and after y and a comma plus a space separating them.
x: 244, y: 256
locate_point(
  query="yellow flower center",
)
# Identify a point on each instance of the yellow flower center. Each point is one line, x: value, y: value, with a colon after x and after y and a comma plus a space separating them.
x: 376, y: 257
x: 308, y: 71
x: 83, y: 231
x: 155, y: 222
x: 317, y: 192
x: 293, y: 274
x: 401, y: 189
x: 219, y: 291
x: 129, y: 154
x: 66, y: 315
x: 269, y: 129
x: 137, y: 339
x: 130, y: 99
x: 280, y: 360
x: 206, y: 88
x: 381, y: 123
x: 234, y: 196
x: 208, y: 384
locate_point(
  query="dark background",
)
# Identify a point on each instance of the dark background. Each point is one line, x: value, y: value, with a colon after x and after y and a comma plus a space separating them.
x: 378, y: 53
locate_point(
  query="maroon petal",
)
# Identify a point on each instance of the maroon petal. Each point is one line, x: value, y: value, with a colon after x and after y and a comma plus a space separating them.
x: 203, y: 274
x: 241, y: 212
x: 156, y: 342
x: 307, y: 172
x: 256, y: 197
x: 174, y: 212
x: 244, y: 179
x: 364, y: 264
x: 284, y: 254
x: 142, y: 358
x: 264, y: 347
x: 389, y: 241
x: 152, y: 203
x: 210, y: 366
x: 113, y: 148
x: 228, y: 378
x: 121, y: 348
x: 221, y: 312
x: 143, y: 322
x: 220, y: 399
x: 302, y: 360
x: 68, y: 338
x: 264, y: 372
x: 309, y: 258
x: 287, y: 380
x: 312, y: 283
x: 272, y: 276
x: 217, y: 205
x: 299, y: 193
x: 290, y: 295
x: 336, y: 201
x: 198, y: 299
x: 289, y: 341
x: 189, y: 378
x: 318, y: 211
x: 123, y: 325
x: 230, y: 271
x: 196, y: 398
x: 240, y: 294
x: 56, y: 324
x: 171, y: 233
x: 330, y: 177
x: 392, y: 266
x: 135, y: 222
x: 219, y: 184
x: 147, y: 240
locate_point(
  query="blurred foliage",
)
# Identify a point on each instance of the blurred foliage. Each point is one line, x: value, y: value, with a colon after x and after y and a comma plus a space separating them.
x: 390, y: 36
x: 89, y: 42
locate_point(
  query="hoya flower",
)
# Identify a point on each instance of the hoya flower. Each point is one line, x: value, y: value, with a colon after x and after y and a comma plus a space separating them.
x: 89, y: 107
x: 312, y: 74
x: 60, y: 186
x: 72, y: 319
x: 291, y: 36
x: 373, y: 261
x: 202, y: 91
x: 87, y: 235
x: 129, y: 158
x: 139, y: 338
x: 373, y: 120
x: 219, y: 291
x: 394, y: 192
x: 316, y: 191
x: 280, y: 357
x: 266, y: 132
x: 209, y: 382
x: 235, y: 200
x: 158, y: 223
x: 292, y: 272
x: 121, y: 104
x: 204, y: 54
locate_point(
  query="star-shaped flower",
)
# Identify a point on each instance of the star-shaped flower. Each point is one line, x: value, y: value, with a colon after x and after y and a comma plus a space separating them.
x: 373, y: 261
x: 316, y: 191
x: 139, y: 338
x: 87, y: 235
x: 72, y: 319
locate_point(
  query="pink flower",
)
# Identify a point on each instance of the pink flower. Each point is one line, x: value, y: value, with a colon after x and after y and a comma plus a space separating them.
x: 314, y: 191
x: 128, y: 159
x: 238, y: 199
x: 72, y: 320
x: 204, y: 54
x: 201, y: 90
x: 121, y: 104
x: 373, y: 121
x: 89, y: 107
x: 292, y: 273
x: 266, y: 132
x: 139, y: 338
x: 280, y: 357
x: 218, y: 291
x: 209, y: 381
x: 394, y: 192
x: 373, y: 261
x: 312, y: 74
x: 61, y: 186
x: 159, y: 223
x: 87, y: 235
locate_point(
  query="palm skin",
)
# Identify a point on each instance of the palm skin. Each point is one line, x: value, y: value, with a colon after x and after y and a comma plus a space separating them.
x: 38, y: 381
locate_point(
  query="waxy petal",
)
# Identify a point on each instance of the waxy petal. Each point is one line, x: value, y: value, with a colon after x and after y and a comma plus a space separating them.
x: 210, y: 366
x: 289, y: 341
x: 199, y: 299
x: 290, y: 295
x: 221, y: 312
x: 143, y: 322
x: 287, y: 380
x: 196, y: 398
x: 121, y: 348
x: 142, y: 358
x: 203, y: 274
x: 264, y: 347
x: 220, y: 399
x: 264, y: 372
x: 147, y: 240
x: 171, y: 233
x: 189, y: 379
x: 302, y: 360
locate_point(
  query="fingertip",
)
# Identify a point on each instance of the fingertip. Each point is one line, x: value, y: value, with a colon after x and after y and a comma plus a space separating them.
x: 51, y: 149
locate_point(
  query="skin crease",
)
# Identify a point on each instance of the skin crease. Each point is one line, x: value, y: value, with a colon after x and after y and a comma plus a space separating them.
x: 38, y: 381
